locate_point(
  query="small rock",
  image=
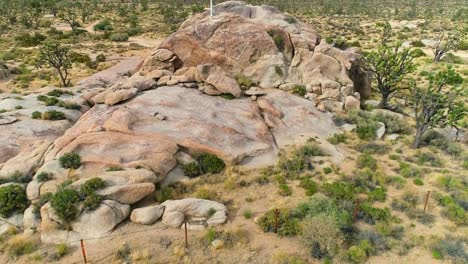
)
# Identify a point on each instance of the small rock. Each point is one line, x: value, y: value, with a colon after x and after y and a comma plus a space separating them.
x: 217, y: 244
x: 321, y: 107
x: 147, y: 215
x: 165, y: 242
x: 161, y: 117
x: 348, y: 127
x: 392, y: 137
x: 380, y: 132
x: 173, y: 219
x: 255, y: 91
x: 253, y: 97
x: 351, y: 103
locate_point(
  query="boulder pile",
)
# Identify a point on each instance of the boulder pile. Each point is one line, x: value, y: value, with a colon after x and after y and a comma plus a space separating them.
x: 240, y: 86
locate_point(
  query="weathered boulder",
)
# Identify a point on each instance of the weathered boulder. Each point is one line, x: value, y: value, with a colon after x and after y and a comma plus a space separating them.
x: 127, y: 194
x: 264, y: 46
x: 351, y: 103
x: 15, y: 221
x: 147, y: 215
x: 176, y: 211
x: 102, y: 220
x: 30, y: 219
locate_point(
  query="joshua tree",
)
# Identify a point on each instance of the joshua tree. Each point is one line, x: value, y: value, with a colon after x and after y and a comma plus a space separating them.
x: 56, y: 56
x: 389, y: 66
x: 441, y: 104
x: 446, y: 42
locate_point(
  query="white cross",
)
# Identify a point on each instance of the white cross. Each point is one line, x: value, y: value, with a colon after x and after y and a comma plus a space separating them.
x: 211, y: 7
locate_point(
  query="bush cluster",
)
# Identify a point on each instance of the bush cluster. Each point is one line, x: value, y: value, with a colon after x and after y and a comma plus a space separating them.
x: 209, y: 163
x: 12, y: 200
x: 70, y: 161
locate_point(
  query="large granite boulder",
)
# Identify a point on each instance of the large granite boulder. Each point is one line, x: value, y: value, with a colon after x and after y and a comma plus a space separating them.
x: 260, y: 43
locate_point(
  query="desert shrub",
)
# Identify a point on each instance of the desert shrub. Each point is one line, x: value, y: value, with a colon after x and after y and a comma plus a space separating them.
x: 435, y: 138
x: 163, y: 194
x: 64, y: 203
x: 70, y: 161
x: 300, y: 90
x: 278, y: 39
x: 61, y: 250
x: 48, y: 100
x: 30, y: 40
x: 100, y: 58
x: 449, y: 183
x: 53, y: 115
x: 366, y: 161
x: 367, y: 178
x: 372, y: 148
x: 377, y: 194
x: 242, y: 80
x: 366, y: 131
x: 378, y: 243
x: 59, y: 92
x: 247, y: 214
x: 452, y: 247
x: 21, y: 244
x: 452, y: 58
x: 309, y: 150
x: 17, y: 177
x: 356, y: 254
x: 44, y: 176
x: 36, y: 115
x: 327, y: 170
x: 284, y: 190
x: 338, y: 138
x: 209, y: 163
x: 12, y: 200
x: 371, y: 215
x: 191, y: 169
x: 92, y: 185
x: 69, y: 105
x: 119, y: 37
x: 227, y: 96
x: 309, y: 185
x: 418, y: 53
x: 291, y: 166
x: 339, y: 190
x: 427, y: 158
x: 407, y: 202
x: 393, y: 123
x: 418, y: 182
x: 320, y: 204
x: 457, y: 214
x: 77, y: 57
x: 417, y: 44
x: 408, y: 171
x: 321, y: 235
x: 288, y: 224
x: 205, y: 193
x: 115, y: 168
x: 211, y: 212
x: 103, y: 25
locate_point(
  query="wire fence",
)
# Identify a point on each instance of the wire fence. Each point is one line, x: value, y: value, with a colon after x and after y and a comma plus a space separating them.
x: 424, y: 201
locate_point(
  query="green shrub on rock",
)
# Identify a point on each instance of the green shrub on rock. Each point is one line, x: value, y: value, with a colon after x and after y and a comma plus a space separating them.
x: 64, y: 202
x: 191, y: 169
x: 209, y: 163
x: 12, y: 199
x: 92, y: 185
x: 44, y: 176
x: 70, y: 161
